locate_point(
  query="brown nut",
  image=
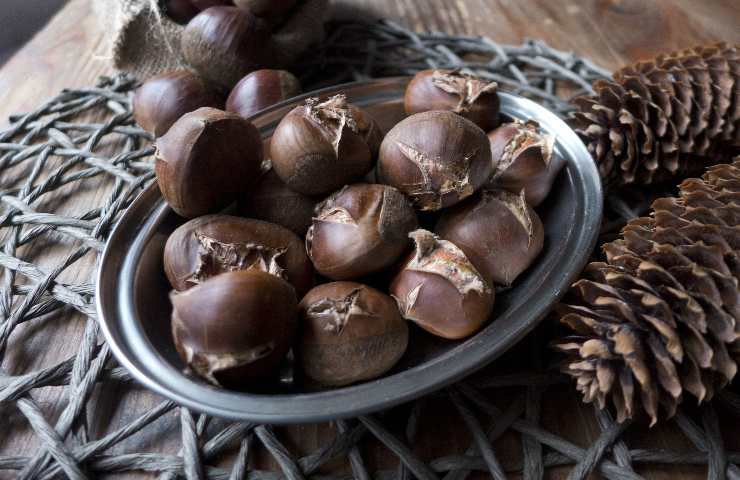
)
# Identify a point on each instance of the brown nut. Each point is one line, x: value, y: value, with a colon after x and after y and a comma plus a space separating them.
x: 208, y: 246
x: 164, y: 98
x: 436, y: 158
x: 467, y: 95
x: 180, y: 11
x: 267, y: 8
x: 359, y: 230
x: 523, y: 160
x: 261, y: 89
x: 350, y: 333
x: 235, y: 329
x: 321, y: 146
x: 223, y: 44
x: 498, y: 232
x: 205, y: 159
x: 440, y: 290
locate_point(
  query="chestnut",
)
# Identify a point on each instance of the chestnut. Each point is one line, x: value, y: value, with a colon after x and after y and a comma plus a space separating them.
x: 437, y: 158
x: 225, y: 43
x: 439, y: 289
x: 349, y: 333
x: 204, y: 4
x: 467, y: 95
x: 498, y: 231
x: 271, y: 200
x: 261, y: 89
x: 235, y: 329
x: 359, y: 230
x: 267, y: 8
x: 213, y: 244
x: 523, y: 160
x: 205, y: 159
x: 180, y: 11
x: 164, y: 98
x: 323, y: 145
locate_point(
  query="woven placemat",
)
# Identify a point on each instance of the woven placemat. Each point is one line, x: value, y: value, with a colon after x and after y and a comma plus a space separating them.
x: 85, y: 140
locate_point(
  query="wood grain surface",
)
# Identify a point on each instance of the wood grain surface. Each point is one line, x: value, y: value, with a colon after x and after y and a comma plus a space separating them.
x: 70, y: 52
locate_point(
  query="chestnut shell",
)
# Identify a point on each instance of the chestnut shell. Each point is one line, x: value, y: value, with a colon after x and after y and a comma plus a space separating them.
x: 349, y: 333
x: 213, y: 244
x: 261, y: 89
x: 235, y: 329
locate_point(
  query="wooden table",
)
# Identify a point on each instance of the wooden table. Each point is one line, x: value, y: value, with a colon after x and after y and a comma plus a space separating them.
x: 70, y: 52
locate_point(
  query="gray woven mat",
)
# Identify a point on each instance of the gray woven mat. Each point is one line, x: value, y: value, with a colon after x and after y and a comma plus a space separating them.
x: 86, y: 139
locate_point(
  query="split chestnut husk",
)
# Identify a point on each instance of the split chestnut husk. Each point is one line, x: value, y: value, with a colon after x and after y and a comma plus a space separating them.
x: 261, y: 89
x: 235, y: 329
x: 350, y: 333
x: 440, y: 290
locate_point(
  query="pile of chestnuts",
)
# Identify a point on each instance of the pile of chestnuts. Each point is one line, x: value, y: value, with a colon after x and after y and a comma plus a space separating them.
x: 342, y: 241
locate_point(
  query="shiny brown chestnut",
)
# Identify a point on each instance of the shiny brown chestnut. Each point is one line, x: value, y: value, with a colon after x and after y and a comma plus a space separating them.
x: 234, y: 329
x: 323, y: 145
x: 164, y: 98
x: 223, y: 44
x: 467, y: 95
x: 205, y: 159
x: 498, y: 231
x: 523, y: 160
x: 440, y: 290
x: 213, y: 244
x: 437, y: 158
x: 349, y: 333
x: 261, y: 89
x: 359, y: 230
x: 180, y: 11
x: 267, y: 8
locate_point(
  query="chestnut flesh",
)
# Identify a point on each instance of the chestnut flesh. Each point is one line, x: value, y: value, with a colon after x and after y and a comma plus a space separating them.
x: 350, y: 333
x: 467, y: 95
x: 234, y: 329
x: 261, y: 89
x: 213, y: 244
x: 439, y: 289
x: 164, y: 98
x: 524, y: 160
x: 359, y: 230
x: 323, y: 145
x: 437, y: 158
x: 498, y: 231
x: 205, y: 159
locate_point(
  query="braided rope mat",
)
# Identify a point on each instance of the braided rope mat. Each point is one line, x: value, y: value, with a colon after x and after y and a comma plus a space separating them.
x: 85, y: 140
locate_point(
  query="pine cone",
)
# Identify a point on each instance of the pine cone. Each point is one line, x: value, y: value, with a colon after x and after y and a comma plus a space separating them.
x: 665, y: 118
x: 662, y: 315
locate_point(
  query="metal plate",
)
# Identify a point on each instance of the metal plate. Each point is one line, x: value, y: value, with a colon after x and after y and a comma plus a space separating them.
x: 134, y: 309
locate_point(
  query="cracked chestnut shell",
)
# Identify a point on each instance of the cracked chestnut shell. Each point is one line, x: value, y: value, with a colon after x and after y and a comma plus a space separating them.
x: 349, y: 333
x: 437, y: 158
x: 323, y: 145
x: 205, y: 159
x: 498, y: 231
x: 211, y: 245
x: 439, y: 289
x: 523, y: 160
x: 235, y: 329
x: 164, y: 98
x: 467, y: 95
x: 261, y: 89
x: 359, y: 230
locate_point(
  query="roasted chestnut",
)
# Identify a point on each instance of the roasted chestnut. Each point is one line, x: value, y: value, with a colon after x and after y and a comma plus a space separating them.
x: 267, y: 8
x: 360, y: 229
x: 523, y: 160
x: 272, y: 201
x: 164, y: 98
x: 225, y: 43
x: 350, y: 333
x: 205, y: 159
x: 180, y: 11
x: 437, y: 158
x: 260, y: 89
x: 321, y: 146
x: 498, y: 232
x: 440, y: 290
x: 235, y: 329
x: 467, y: 95
x: 213, y: 244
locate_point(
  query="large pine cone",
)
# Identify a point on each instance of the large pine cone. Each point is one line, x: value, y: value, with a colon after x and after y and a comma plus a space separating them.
x: 664, y: 118
x: 662, y: 315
